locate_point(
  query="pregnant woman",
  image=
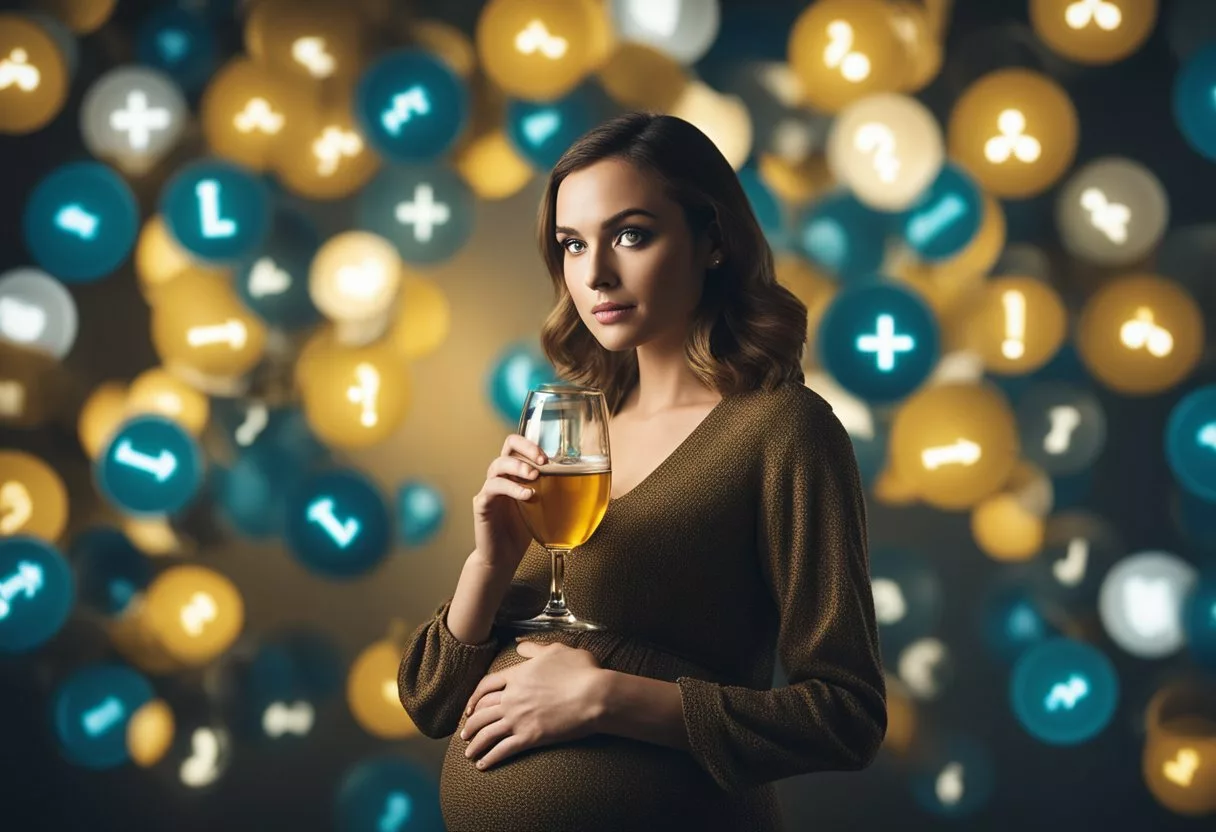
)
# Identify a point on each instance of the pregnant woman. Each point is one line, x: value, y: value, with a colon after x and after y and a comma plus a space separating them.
x: 735, y: 533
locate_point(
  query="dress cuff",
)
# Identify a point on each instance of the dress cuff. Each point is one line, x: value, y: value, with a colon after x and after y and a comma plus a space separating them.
x: 702, y: 704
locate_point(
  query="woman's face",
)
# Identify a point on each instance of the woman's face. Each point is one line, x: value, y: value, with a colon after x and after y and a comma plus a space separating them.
x: 626, y: 242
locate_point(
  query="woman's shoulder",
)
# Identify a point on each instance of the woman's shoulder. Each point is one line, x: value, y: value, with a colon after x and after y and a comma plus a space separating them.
x: 792, y: 401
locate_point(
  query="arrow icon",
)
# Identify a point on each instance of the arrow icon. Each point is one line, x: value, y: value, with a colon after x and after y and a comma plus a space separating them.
x: 27, y: 579
x: 161, y: 467
x: 232, y: 332
x: 963, y: 451
x: 322, y: 511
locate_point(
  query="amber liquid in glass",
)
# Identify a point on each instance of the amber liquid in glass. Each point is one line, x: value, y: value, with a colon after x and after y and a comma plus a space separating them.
x: 567, y: 506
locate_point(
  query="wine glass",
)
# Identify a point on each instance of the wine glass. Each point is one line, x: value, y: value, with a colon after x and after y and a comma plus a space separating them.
x: 570, y: 424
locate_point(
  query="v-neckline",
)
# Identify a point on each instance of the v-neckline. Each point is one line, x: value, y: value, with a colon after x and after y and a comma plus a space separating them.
x: 667, y: 460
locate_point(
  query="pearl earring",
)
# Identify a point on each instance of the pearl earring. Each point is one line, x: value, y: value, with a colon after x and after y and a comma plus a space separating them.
x: 716, y: 261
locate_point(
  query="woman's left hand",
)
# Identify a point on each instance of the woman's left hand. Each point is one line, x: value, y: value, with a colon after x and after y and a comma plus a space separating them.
x: 551, y: 698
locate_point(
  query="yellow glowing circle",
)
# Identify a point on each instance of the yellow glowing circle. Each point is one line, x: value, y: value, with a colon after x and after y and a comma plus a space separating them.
x: 901, y: 717
x: 201, y: 324
x: 1005, y: 530
x: 796, y: 182
x: 155, y: 536
x: 423, y: 319
x: 924, y: 49
x: 33, y: 76
x: 150, y: 733
x: 354, y: 276
x: 249, y: 113
x: 1018, y: 325
x: 83, y: 17
x: 159, y: 258
x: 641, y: 77
x: 843, y: 50
x: 954, y: 443
x: 371, y: 693
x: 1179, y: 760
x: 723, y: 118
x: 892, y: 490
x: 354, y: 396
x: 103, y: 411
x: 810, y: 286
x: 1140, y: 334
x: 314, y: 40
x: 157, y: 391
x: 195, y: 612
x: 33, y: 498
x: 1093, y: 31
x: 491, y: 166
x: 537, y: 49
x: 447, y: 42
x: 331, y: 158
x: 1015, y: 130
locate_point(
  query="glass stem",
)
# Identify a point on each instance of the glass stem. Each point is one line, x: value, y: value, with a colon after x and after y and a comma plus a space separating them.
x: 557, y: 598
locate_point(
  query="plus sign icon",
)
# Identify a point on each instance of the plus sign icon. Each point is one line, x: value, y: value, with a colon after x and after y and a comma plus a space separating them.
x: 878, y: 340
x: 426, y: 211
x: 411, y: 106
x: 133, y: 116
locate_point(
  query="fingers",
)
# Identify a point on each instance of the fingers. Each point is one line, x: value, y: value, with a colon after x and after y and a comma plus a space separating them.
x: 492, y: 733
x: 525, y: 447
x: 491, y: 682
x: 481, y: 717
x: 508, y: 747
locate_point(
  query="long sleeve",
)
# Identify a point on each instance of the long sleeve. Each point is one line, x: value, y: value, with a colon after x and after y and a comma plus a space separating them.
x: 812, y: 544
x: 438, y: 674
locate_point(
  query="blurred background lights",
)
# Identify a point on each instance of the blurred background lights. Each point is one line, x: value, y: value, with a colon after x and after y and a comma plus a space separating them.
x: 33, y: 497
x: 81, y: 222
x: 1194, y: 107
x: 426, y: 211
x: 132, y: 116
x: 421, y: 510
x: 887, y: 149
x: 354, y: 280
x: 841, y: 235
x: 1062, y: 426
x: 1064, y: 691
x: 1179, y: 758
x: 945, y: 217
x: 37, y: 589
x: 338, y: 524
x: 954, y: 776
x: 151, y: 466
x: 33, y: 75
x: 216, y: 210
x: 1190, y: 442
x: 1093, y: 31
x: 180, y: 42
x: 371, y: 692
x: 195, y: 612
x: 37, y: 311
x: 1112, y: 212
x: 1018, y: 325
x: 249, y: 113
x: 537, y: 49
x: 1140, y: 603
x: 312, y: 39
x: 199, y: 323
x: 410, y: 106
x: 91, y: 710
x: 683, y: 29
x: 387, y: 792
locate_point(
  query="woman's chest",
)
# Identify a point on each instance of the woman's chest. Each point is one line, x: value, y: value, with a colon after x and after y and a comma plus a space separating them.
x: 638, y: 447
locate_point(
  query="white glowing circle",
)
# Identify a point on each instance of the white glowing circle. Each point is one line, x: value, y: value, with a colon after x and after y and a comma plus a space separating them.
x: 355, y: 276
x: 132, y: 115
x: 682, y: 29
x: 1140, y: 603
x: 1112, y: 212
x: 924, y: 666
x: 37, y: 312
x: 887, y: 148
x: 723, y: 118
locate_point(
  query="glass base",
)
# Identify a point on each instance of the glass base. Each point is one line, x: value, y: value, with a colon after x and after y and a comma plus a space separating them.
x: 546, y: 622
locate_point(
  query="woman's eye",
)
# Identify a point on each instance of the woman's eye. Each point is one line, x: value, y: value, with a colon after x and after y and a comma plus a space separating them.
x: 567, y: 243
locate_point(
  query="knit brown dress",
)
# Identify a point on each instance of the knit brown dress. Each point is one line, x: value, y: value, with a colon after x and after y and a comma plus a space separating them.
x: 747, y: 543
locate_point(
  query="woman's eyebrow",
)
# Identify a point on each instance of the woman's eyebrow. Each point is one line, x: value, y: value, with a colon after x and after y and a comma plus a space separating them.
x: 611, y: 221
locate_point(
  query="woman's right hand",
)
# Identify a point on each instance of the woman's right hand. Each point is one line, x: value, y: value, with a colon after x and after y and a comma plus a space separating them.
x: 499, y: 532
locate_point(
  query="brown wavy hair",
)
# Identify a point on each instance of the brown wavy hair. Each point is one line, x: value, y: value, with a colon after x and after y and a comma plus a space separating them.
x: 748, y: 330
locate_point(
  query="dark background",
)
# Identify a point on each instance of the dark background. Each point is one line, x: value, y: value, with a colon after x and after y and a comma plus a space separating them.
x: 1124, y: 109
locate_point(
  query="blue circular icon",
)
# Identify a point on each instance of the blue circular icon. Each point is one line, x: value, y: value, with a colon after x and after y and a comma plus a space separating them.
x: 91, y: 710
x: 280, y: 687
x: 842, y: 236
x: 426, y: 211
x: 411, y: 106
x: 542, y: 131
x: 1063, y: 691
x: 1199, y: 620
x: 111, y: 570
x: 953, y: 778
x: 388, y: 793
x: 218, y: 211
x: 37, y: 592
x: 338, y: 524
x: 180, y: 43
x: 1013, y: 620
x: 249, y: 492
x: 1190, y: 442
x: 766, y: 207
x: 81, y: 222
x: 274, y: 282
x: 151, y: 466
x: 878, y: 340
x: 1195, y: 101
x: 517, y: 369
x: 1063, y: 426
x: 908, y: 598
x: 947, y: 218
x: 421, y: 511
x: 253, y: 423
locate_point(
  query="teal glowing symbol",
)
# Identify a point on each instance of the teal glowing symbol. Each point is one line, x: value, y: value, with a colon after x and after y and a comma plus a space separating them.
x: 1190, y: 443
x: 885, y: 343
x: 397, y: 811
x: 826, y: 240
x: 322, y: 512
x: 173, y: 44
x: 214, y: 226
x: 26, y: 580
x: 404, y: 106
x: 541, y: 125
x: 161, y: 466
x: 1207, y: 436
x: 423, y: 213
x: 101, y: 718
x: 925, y: 226
x: 1067, y: 694
x: 75, y: 220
